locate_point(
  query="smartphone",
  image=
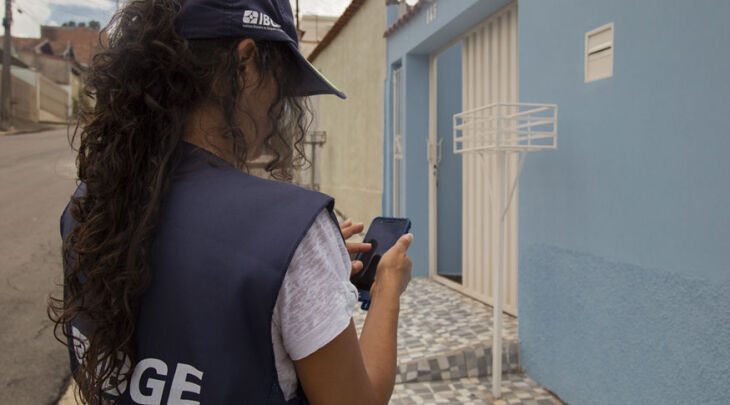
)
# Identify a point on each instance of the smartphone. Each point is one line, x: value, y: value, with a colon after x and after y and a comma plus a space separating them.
x: 382, y: 234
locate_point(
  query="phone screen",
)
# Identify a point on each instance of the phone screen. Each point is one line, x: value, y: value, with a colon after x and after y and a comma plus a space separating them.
x: 382, y: 234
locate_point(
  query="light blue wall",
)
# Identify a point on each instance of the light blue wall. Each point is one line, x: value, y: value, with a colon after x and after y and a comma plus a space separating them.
x: 415, y: 74
x: 624, y: 278
x: 391, y: 14
x: 411, y: 46
x: 453, y: 18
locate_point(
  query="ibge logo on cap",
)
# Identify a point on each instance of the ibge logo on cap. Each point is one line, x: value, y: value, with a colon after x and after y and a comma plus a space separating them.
x: 256, y: 19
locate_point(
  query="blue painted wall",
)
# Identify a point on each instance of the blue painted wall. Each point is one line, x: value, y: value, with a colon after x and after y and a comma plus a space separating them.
x: 453, y: 18
x: 415, y: 68
x: 449, y: 91
x: 624, y: 278
x: 391, y: 14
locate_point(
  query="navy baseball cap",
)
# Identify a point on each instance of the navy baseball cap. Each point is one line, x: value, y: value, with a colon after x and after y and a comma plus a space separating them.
x: 270, y: 20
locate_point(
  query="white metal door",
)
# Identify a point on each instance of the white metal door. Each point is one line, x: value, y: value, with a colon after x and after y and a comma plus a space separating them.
x: 489, y: 76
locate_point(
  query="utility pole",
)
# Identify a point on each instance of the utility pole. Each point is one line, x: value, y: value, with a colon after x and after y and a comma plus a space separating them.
x: 5, y: 123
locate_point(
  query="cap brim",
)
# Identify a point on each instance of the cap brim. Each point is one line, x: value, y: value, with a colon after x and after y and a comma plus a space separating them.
x: 313, y: 82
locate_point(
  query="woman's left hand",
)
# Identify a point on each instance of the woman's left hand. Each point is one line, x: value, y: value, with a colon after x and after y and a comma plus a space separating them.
x: 348, y: 229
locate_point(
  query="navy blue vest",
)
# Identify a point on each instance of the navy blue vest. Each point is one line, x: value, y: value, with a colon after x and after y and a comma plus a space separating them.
x: 221, y: 251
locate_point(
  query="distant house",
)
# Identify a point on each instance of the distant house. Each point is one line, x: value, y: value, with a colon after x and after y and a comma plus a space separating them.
x: 84, y: 42
x: 25, y: 97
x: 349, y: 165
x: 60, y: 56
x: 78, y: 44
x: 621, y: 234
x: 55, y: 78
x: 54, y: 60
x: 313, y: 29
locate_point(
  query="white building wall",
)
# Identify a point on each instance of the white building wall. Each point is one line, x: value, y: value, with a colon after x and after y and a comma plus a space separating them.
x: 352, y: 159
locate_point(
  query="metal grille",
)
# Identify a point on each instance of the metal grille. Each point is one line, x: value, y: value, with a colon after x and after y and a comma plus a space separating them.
x: 506, y: 127
x: 489, y: 64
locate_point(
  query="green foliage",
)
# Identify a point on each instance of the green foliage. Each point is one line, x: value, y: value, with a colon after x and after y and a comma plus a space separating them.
x: 93, y: 24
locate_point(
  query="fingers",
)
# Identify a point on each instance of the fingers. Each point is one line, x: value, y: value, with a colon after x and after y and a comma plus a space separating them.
x: 356, y: 267
x: 404, y: 242
x: 348, y: 229
x: 358, y: 247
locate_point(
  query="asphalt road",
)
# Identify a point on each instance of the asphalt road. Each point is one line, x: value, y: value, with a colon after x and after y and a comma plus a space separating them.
x: 36, y: 180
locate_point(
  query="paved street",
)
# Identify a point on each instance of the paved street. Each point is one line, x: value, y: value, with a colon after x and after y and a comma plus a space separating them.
x: 36, y: 178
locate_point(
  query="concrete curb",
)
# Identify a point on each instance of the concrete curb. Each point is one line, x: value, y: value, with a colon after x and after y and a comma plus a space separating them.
x: 40, y: 127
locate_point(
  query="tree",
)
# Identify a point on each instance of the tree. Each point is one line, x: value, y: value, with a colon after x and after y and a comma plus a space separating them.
x: 93, y: 24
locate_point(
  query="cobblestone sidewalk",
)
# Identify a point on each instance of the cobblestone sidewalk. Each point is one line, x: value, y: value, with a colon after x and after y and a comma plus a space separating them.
x: 437, y: 327
x: 516, y: 389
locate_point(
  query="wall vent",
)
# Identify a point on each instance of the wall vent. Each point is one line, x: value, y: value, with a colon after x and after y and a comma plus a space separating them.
x: 599, y: 53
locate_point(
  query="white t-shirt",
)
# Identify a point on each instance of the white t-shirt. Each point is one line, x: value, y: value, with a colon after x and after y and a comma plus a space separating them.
x: 315, y: 302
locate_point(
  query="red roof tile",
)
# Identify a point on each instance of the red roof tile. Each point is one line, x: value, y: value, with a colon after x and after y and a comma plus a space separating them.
x: 85, y: 41
x: 24, y: 43
x: 59, y: 47
x: 45, y: 55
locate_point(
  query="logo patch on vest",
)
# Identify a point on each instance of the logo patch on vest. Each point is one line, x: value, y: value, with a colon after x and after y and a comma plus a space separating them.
x: 259, y: 20
x: 149, y: 378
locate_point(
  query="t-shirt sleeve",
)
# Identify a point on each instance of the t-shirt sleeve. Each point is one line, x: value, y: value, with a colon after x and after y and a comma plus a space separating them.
x: 316, y: 299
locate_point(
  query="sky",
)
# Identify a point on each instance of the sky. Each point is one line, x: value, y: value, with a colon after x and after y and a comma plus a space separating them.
x: 29, y: 15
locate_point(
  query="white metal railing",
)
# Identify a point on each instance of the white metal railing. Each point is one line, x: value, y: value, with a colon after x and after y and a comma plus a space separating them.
x: 501, y: 130
x: 507, y: 127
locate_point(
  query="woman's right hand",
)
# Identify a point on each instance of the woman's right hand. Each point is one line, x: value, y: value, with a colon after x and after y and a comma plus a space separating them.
x: 394, y: 270
x: 355, y: 371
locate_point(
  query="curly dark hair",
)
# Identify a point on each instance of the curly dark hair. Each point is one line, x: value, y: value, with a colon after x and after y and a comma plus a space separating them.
x: 146, y: 82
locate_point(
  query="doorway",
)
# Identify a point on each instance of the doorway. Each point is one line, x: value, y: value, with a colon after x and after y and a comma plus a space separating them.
x: 477, y: 69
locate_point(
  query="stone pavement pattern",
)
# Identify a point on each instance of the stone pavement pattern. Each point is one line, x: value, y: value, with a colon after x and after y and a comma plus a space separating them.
x: 516, y: 389
x: 444, y: 351
x: 443, y: 334
x: 36, y: 180
x: 435, y: 319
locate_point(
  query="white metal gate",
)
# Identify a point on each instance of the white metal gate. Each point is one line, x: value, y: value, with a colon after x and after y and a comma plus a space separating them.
x: 489, y: 75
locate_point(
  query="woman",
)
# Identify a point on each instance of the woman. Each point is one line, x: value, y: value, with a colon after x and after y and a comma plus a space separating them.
x: 186, y: 280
